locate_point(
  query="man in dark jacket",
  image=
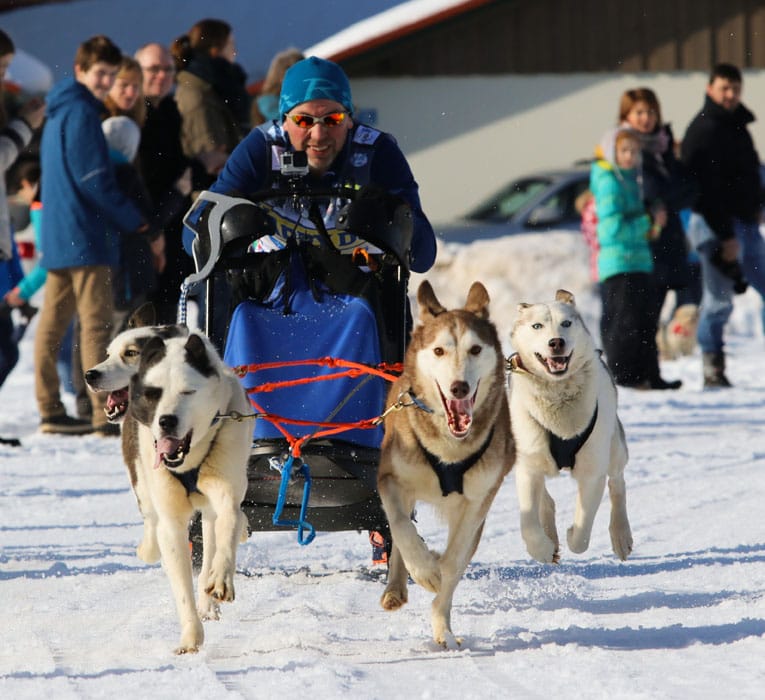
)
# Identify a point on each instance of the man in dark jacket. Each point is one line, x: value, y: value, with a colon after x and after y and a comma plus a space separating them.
x: 162, y: 164
x: 82, y: 204
x: 719, y: 152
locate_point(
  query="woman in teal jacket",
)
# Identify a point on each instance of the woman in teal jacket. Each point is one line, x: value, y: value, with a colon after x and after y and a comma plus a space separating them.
x: 625, y: 264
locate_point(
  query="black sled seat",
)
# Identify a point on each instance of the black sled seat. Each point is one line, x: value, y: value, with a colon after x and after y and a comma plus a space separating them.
x: 313, y: 333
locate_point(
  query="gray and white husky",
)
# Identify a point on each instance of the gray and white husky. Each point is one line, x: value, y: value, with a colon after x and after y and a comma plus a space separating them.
x: 563, y: 403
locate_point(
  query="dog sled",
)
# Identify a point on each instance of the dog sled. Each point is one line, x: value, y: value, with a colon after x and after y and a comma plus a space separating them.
x: 316, y: 328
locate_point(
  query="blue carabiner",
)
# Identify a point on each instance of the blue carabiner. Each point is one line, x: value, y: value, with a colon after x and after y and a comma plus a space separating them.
x: 302, y: 525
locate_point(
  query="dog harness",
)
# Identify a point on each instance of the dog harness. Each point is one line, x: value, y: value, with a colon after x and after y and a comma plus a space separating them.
x: 188, y: 479
x: 563, y: 450
x: 451, y: 474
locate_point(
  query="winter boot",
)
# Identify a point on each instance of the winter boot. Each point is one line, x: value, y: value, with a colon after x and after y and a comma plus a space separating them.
x: 714, y: 371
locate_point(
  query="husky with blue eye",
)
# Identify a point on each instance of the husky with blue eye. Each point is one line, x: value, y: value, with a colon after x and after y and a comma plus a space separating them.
x: 563, y: 402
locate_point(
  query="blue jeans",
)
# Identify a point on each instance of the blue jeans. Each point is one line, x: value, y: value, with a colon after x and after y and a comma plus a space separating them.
x: 717, y: 296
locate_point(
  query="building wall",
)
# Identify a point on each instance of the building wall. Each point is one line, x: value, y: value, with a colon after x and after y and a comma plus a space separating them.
x: 467, y: 136
x: 574, y: 36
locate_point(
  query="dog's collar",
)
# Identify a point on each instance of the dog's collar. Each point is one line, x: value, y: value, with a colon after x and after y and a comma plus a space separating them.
x: 514, y: 364
x: 563, y: 450
x: 451, y: 474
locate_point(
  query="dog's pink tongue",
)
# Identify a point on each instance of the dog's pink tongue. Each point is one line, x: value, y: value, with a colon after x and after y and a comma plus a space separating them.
x: 165, y: 446
x: 115, y: 398
x: 557, y: 364
x: 461, y: 414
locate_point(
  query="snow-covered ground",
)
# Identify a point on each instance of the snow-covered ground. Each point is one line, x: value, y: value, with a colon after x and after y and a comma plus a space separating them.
x: 684, y: 617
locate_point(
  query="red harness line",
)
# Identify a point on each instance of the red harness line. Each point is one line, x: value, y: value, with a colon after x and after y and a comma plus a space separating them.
x: 352, y: 369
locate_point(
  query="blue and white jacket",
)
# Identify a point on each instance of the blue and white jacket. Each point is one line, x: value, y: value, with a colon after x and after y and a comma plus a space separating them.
x: 368, y: 157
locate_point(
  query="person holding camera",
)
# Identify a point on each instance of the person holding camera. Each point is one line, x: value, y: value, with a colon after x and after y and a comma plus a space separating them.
x: 724, y: 225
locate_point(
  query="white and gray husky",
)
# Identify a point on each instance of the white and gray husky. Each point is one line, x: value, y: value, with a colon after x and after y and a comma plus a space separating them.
x: 563, y: 403
x: 184, y: 455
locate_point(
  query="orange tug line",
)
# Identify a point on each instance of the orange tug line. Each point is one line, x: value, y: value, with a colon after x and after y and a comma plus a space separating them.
x: 353, y: 369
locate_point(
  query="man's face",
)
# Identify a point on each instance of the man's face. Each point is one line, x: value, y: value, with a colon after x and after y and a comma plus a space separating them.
x: 320, y: 142
x: 724, y: 92
x: 158, y: 71
x: 99, y: 78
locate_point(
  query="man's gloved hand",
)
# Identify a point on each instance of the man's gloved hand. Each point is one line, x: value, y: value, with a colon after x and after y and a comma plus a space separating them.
x: 731, y: 269
x: 381, y: 218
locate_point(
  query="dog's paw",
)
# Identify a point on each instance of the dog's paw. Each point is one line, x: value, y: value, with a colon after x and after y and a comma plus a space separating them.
x: 543, y: 549
x: 442, y: 633
x: 448, y: 641
x: 191, y: 639
x: 621, y: 542
x: 185, y: 649
x: 221, y: 587
x: 394, y: 599
x: 208, y: 609
x: 578, y: 540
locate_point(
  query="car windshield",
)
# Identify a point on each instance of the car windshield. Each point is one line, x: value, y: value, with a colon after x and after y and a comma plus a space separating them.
x: 505, y: 204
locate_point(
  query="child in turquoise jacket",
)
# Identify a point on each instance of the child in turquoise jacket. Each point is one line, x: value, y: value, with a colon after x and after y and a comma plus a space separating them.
x: 625, y: 264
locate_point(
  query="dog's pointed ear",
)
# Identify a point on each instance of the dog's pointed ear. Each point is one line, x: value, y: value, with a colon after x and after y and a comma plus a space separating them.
x: 564, y: 296
x: 478, y: 300
x: 144, y: 315
x: 152, y: 352
x: 197, y: 356
x: 427, y: 301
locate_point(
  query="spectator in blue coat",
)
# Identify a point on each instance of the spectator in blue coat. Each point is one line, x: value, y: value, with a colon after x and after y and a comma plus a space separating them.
x: 84, y: 208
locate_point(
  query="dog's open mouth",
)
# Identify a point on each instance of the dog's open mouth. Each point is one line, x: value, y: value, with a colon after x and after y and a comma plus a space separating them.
x: 555, y: 364
x: 116, y: 405
x: 459, y: 414
x: 171, y: 451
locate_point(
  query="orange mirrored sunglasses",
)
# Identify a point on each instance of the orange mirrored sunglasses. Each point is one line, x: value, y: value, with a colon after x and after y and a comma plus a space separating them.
x: 306, y: 121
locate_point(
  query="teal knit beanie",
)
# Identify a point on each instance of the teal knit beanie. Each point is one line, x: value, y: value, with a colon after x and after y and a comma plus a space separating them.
x: 314, y: 79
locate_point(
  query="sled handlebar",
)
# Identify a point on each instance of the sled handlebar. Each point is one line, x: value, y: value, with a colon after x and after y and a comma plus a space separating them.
x: 206, y: 219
